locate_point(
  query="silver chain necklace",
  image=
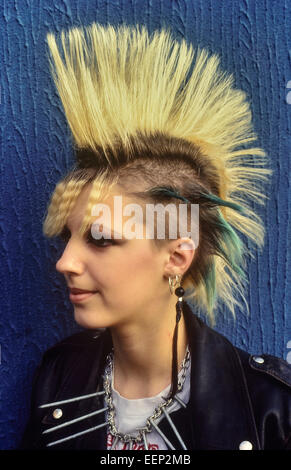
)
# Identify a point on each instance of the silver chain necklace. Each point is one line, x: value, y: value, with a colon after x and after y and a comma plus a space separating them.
x: 130, y: 438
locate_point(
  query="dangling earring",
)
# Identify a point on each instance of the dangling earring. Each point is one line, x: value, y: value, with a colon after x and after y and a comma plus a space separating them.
x: 175, y: 283
x: 179, y: 291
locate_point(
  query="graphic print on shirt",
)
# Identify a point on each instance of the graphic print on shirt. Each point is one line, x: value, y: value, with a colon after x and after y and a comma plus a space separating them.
x: 125, y: 446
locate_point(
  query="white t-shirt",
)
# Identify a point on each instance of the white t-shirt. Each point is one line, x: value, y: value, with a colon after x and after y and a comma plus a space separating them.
x: 133, y: 413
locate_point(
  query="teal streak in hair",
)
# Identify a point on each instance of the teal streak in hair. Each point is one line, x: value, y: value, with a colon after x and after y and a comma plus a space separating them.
x: 233, y: 252
x: 167, y: 191
x: 229, y: 247
x: 210, y: 284
x: 221, y: 202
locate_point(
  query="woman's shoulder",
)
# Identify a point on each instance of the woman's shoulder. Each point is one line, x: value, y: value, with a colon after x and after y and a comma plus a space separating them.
x: 257, y: 386
x: 78, y: 354
x: 266, y: 366
x: 259, y: 369
x: 268, y: 381
x: 261, y: 366
x: 83, y: 348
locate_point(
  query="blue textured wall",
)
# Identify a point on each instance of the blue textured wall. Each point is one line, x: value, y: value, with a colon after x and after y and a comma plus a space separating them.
x: 252, y: 39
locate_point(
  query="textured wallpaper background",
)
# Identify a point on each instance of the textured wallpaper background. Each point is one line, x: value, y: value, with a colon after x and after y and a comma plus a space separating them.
x: 253, y: 39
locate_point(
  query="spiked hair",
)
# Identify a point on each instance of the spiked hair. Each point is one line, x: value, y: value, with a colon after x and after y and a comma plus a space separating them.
x: 151, y: 109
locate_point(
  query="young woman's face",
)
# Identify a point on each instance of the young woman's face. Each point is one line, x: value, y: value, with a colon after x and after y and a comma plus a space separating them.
x: 120, y: 278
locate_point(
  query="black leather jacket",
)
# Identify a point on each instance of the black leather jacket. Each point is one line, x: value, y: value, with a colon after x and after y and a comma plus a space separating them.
x: 235, y: 397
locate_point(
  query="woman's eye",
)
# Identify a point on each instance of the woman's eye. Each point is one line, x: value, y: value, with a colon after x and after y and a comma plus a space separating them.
x: 65, y: 236
x: 101, y: 242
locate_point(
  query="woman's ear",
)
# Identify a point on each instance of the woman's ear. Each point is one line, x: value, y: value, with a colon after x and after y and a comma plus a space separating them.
x: 180, y: 254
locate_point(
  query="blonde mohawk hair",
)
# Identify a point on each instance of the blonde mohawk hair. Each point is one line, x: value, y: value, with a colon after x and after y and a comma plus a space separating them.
x: 116, y: 83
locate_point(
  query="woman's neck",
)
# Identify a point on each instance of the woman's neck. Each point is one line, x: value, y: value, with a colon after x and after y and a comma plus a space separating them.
x: 143, y: 355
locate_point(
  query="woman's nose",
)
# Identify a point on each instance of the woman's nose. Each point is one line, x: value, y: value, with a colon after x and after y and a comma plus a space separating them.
x: 70, y: 261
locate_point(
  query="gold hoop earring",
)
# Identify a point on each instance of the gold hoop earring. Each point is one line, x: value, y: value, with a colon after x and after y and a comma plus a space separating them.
x: 174, y: 281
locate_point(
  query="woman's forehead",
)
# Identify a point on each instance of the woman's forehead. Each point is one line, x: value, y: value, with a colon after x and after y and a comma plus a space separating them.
x: 113, y: 201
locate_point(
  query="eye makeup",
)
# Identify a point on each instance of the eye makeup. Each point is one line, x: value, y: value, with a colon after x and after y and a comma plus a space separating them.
x: 102, y: 242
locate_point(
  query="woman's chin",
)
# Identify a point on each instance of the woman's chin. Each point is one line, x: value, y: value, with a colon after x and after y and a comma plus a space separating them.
x: 88, y: 320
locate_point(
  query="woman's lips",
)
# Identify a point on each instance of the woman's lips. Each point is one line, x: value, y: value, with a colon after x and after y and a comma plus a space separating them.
x: 78, y: 295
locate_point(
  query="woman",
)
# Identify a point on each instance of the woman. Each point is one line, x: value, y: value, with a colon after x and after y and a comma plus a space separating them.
x: 157, y: 126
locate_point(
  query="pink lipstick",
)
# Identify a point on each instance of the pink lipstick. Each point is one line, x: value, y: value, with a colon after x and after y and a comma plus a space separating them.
x: 79, y: 295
